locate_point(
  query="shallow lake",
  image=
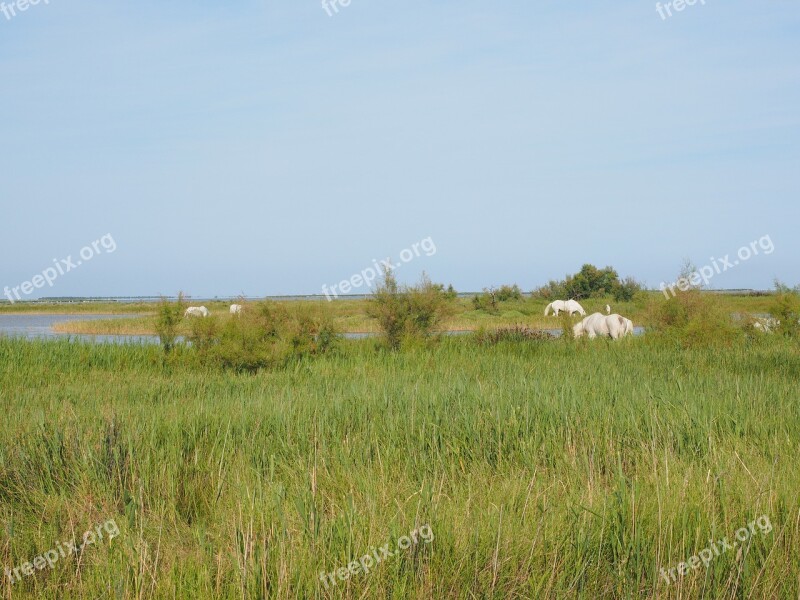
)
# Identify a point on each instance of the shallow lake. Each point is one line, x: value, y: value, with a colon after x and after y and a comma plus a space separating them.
x: 41, y: 326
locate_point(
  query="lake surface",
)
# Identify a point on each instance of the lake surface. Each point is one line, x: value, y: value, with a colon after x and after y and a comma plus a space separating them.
x: 41, y: 326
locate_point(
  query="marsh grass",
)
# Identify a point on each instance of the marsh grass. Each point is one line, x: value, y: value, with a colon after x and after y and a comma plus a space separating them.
x: 544, y: 470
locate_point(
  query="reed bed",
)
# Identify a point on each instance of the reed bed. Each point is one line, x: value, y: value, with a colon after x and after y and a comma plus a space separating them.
x: 545, y: 470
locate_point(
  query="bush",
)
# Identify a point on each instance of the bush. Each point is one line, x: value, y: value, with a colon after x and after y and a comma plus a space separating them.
x: 509, y: 292
x: 168, y: 319
x: 487, y: 301
x: 409, y: 312
x: 491, y: 297
x: 267, y: 334
x: 693, y: 319
x: 590, y: 282
x: 626, y: 290
x: 785, y: 309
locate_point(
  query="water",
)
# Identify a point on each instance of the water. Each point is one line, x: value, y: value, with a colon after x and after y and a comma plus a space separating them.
x: 34, y: 327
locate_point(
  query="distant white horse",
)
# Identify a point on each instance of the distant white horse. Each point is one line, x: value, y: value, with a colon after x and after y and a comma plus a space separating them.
x: 598, y: 324
x: 236, y: 309
x: 196, y: 311
x: 569, y: 306
x: 608, y: 309
x: 767, y: 325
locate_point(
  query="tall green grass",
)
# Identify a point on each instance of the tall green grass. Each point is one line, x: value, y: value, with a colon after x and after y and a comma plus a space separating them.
x: 544, y: 470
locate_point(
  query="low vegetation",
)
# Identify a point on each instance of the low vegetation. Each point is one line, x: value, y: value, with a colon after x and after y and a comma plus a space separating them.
x: 785, y: 310
x: 408, y: 314
x: 168, y: 320
x: 265, y: 334
x: 544, y: 469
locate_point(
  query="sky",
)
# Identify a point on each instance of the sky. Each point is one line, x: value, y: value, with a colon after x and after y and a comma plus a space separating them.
x: 264, y: 148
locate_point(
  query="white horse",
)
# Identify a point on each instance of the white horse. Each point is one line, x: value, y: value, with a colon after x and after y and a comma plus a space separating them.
x: 613, y: 326
x: 196, y: 311
x: 236, y: 309
x: 767, y: 325
x: 608, y: 309
x: 628, y: 326
x: 569, y: 306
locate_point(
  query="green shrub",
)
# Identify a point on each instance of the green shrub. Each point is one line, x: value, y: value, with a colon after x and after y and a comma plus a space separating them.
x: 590, y: 282
x: 491, y: 297
x: 265, y: 335
x: 693, y: 319
x: 168, y: 319
x: 411, y: 312
x: 487, y: 301
x: 785, y: 309
x: 626, y: 290
x: 509, y: 292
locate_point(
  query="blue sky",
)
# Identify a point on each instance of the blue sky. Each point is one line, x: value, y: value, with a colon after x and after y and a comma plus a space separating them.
x: 266, y: 148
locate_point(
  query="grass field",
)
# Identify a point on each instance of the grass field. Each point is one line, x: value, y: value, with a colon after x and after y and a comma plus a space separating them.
x: 543, y: 470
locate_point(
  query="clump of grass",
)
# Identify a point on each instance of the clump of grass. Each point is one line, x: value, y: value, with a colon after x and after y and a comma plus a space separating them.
x: 408, y: 314
x: 567, y: 323
x: 517, y: 333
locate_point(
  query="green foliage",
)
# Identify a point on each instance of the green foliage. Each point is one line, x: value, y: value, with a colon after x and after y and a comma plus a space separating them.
x: 168, y: 318
x: 489, y: 300
x: 266, y: 334
x: 408, y: 312
x: 567, y: 322
x: 509, y: 292
x: 517, y: 333
x: 450, y: 293
x: 591, y: 282
x: 692, y: 318
x: 785, y: 309
x: 627, y: 290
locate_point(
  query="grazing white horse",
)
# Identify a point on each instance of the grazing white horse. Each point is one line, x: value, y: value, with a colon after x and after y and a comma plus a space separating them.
x: 196, y: 311
x: 236, y: 309
x: 569, y: 306
x: 628, y: 326
x: 613, y: 326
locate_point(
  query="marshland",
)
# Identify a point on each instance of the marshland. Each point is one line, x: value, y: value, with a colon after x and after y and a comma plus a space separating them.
x: 277, y: 284
x: 248, y: 465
